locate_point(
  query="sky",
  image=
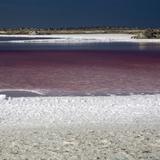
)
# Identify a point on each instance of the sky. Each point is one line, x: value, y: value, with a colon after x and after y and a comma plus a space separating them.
x: 78, y: 13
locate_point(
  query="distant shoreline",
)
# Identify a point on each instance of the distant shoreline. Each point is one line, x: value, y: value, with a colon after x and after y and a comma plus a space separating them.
x: 139, y: 33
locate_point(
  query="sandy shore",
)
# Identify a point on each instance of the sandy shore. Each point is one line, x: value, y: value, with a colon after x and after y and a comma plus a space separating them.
x: 85, y: 143
x: 79, y: 38
x: 112, y: 128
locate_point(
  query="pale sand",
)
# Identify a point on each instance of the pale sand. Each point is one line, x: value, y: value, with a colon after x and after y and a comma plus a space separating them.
x: 81, y: 144
x: 81, y: 38
x: 87, y: 128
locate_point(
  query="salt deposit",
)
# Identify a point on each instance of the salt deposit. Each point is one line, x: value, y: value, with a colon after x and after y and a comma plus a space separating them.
x: 81, y: 111
x: 2, y: 96
x: 79, y: 38
x: 88, y: 128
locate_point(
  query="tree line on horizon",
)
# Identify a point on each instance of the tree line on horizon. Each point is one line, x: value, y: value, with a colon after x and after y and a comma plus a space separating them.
x: 77, y: 28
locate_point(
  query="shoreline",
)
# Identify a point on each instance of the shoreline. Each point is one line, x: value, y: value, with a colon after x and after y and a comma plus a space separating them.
x: 30, y: 93
x: 79, y: 38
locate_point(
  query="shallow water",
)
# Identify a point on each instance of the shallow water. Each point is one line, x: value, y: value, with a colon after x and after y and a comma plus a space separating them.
x: 17, y: 93
x: 6, y: 46
x: 81, y: 72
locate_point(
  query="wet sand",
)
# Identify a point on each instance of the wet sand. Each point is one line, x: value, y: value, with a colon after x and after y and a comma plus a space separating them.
x: 59, y: 73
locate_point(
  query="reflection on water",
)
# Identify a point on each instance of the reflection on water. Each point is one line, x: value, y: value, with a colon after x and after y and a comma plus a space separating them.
x: 83, y: 46
x: 148, y: 46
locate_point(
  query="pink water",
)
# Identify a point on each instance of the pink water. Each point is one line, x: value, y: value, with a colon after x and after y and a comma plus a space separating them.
x: 81, y: 72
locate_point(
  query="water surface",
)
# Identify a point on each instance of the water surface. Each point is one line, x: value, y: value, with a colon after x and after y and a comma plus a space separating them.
x: 87, y: 69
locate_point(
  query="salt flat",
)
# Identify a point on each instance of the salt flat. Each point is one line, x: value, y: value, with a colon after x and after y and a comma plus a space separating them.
x: 80, y: 38
x: 81, y: 111
x: 112, y: 128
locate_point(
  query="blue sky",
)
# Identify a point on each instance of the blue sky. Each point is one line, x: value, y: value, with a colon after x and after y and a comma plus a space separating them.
x: 75, y: 13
